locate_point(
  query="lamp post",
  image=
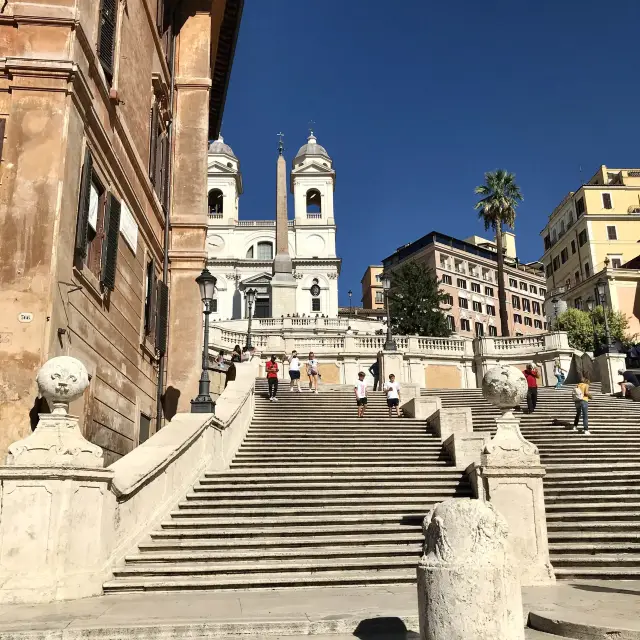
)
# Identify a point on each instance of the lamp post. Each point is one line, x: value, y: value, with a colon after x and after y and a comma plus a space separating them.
x: 591, y: 305
x: 555, y: 311
x: 350, y: 294
x: 601, y: 290
x: 390, y: 344
x: 250, y: 295
x: 204, y: 403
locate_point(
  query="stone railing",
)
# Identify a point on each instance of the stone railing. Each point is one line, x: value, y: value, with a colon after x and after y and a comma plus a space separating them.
x: 520, y: 345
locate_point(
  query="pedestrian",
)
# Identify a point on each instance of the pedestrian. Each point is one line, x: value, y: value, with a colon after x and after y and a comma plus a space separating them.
x: 236, y: 354
x: 559, y: 373
x: 393, y: 395
x: 581, y: 399
x: 361, y: 394
x: 312, y: 372
x: 629, y: 381
x: 374, y: 370
x: 220, y: 359
x: 294, y: 371
x: 532, y: 376
x: 246, y: 354
x: 272, y: 378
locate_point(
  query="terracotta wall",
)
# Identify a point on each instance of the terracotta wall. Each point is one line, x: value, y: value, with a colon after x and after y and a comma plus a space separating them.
x: 438, y: 376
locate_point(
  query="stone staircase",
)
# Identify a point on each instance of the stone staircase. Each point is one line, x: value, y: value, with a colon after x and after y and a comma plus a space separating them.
x: 314, y: 497
x: 592, y: 486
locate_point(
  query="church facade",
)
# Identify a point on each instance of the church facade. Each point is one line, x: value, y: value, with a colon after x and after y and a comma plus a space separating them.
x: 241, y: 253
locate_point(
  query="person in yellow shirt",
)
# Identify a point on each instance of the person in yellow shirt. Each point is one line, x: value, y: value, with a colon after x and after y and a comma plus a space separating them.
x: 581, y: 398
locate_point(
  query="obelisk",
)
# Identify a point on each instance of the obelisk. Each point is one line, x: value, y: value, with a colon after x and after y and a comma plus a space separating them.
x: 283, y: 284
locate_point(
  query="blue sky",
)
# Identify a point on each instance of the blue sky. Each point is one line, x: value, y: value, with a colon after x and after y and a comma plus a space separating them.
x: 414, y: 100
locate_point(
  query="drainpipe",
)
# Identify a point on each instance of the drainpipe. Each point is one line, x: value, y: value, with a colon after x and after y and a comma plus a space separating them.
x: 165, y: 257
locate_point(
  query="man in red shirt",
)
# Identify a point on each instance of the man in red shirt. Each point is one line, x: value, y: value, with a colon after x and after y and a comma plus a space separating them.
x: 532, y: 377
x: 272, y: 378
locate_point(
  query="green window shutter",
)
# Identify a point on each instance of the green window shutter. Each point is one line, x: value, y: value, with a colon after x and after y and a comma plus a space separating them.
x: 107, y: 35
x: 83, y: 207
x: 162, y: 317
x: 110, y: 246
x: 153, y: 142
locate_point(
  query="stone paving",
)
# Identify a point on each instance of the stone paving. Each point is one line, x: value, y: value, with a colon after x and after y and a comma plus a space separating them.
x: 388, y: 612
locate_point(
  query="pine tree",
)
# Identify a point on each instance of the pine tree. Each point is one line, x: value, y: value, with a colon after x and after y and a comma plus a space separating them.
x: 414, y: 302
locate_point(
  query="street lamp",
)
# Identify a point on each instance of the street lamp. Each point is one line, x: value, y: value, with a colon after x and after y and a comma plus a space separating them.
x: 250, y: 295
x: 390, y: 344
x: 555, y: 310
x: 350, y: 294
x: 204, y: 403
x: 601, y: 289
x: 591, y: 305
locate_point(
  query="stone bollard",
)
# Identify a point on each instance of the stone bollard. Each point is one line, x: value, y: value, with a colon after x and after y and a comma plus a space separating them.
x: 467, y: 586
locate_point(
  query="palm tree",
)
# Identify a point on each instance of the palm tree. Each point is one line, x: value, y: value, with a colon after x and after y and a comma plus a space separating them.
x: 500, y: 197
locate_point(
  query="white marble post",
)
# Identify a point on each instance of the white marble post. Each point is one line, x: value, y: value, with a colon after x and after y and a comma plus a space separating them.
x: 608, y: 365
x: 511, y: 477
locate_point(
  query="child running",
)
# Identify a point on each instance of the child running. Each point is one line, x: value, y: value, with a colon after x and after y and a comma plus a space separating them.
x: 312, y: 372
x: 392, y: 389
x: 294, y: 371
x: 361, y: 394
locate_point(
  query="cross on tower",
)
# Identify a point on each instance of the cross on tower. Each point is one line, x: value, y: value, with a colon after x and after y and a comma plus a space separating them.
x: 311, y: 123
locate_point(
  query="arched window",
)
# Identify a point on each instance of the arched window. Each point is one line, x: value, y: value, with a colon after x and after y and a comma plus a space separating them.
x: 249, y: 255
x: 265, y: 251
x: 314, y: 204
x: 215, y: 202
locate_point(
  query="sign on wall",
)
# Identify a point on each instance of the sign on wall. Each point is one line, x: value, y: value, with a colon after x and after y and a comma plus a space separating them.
x: 128, y: 227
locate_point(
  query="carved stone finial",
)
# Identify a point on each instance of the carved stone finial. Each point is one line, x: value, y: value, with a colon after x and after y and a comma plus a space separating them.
x: 504, y: 387
x: 57, y: 440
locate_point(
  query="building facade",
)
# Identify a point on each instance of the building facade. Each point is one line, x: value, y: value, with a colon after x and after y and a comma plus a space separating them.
x: 241, y: 252
x: 372, y: 289
x: 593, y: 232
x: 95, y: 157
x: 467, y: 272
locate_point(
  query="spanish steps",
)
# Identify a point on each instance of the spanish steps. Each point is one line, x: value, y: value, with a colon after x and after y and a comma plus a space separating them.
x: 316, y: 496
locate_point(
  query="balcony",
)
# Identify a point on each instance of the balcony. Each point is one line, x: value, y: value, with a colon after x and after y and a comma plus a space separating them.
x: 215, y: 215
x: 314, y: 215
x: 460, y: 269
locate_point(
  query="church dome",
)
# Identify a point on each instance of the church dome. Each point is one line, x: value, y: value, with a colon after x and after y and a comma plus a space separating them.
x: 312, y: 148
x: 219, y: 146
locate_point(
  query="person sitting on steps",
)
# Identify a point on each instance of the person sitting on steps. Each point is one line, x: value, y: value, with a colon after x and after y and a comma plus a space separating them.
x: 629, y: 381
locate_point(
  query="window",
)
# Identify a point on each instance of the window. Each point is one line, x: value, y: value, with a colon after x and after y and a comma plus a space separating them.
x: 517, y: 318
x: 378, y: 277
x: 488, y: 291
x: 543, y: 292
x: 526, y: 305
x: 612, y: 233
x: 249, y: 255
x: 567, y: 283
x: 493, y: 331
x: 150, y: 300
x: 577, y: 277
x: 463, y: 303
x: 616, y: 263
x: 315, y: 304
x: 547, y: 242
x: 556, y: 263
x: 379, y: 297
x: 577, y: 303
x: 513, y: 283
x: 159, y: 156
x: 265, y: 251
x: 479, y: 329
x: 606, y: 201
x: 144, y: 428
x: 475, y: 287
x: 573, y: 247
x: 462, y: 284
x: 533, y: 288
x: 549, y: 270
x: 564, y: 255
x: 446, y: 279
x: 451, y: 323
x: 528, y: 322
x: 580, y: 207
x: 107, y: 36
x: 465, y: 325
x: 545, y: 325
x: 98, y: 227
x: 587, y: 270
x: 582, y: 238
x: 515, y: 301
x: 314, y: 203
x: 448, y: 299
x: 537, y: 324
x: 215, y: 203
x: 523, y: 286
x: 477, y: 306
x: 491, y: 310
x: 536, y: 307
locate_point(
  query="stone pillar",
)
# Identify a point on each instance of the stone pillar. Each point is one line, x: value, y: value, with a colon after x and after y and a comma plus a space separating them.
x: 608, y: 365
x: 54, y: 508
x: 467, y: 587
x: 451, y: 420
x: 511, y: 477
x: 392, y: 362
x: 189, y: 199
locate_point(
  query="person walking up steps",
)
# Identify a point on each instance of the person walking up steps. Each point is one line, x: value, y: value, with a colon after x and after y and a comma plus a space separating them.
x: 272, y: 378
x: 392, y: 389
x: 559, y: 373
x: 361, y: 394
x: 312, y: 372
x: 581, y: 398
x: 374, y: 370
x: 294, y: 371
x: 532, y: 377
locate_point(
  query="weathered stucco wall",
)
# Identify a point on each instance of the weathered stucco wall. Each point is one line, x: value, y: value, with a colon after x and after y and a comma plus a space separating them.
x: 442, y: 377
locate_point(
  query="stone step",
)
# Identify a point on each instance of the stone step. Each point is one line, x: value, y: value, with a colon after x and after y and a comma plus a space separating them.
x: 388, y: 475
x: 349, y: 464
x: 593, y: 549
x: 578, y: 523
x: 221, y: 502
x: 610, y: 572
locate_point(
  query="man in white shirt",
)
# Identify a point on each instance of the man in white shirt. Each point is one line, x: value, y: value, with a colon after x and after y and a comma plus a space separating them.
x: 361, y: 394
x: 392, y: 389
x: 294, y: 371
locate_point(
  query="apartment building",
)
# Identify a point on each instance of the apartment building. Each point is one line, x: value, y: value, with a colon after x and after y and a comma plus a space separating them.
x: 592, y: 234
x: 467, y: 271
x: 372, y: 289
